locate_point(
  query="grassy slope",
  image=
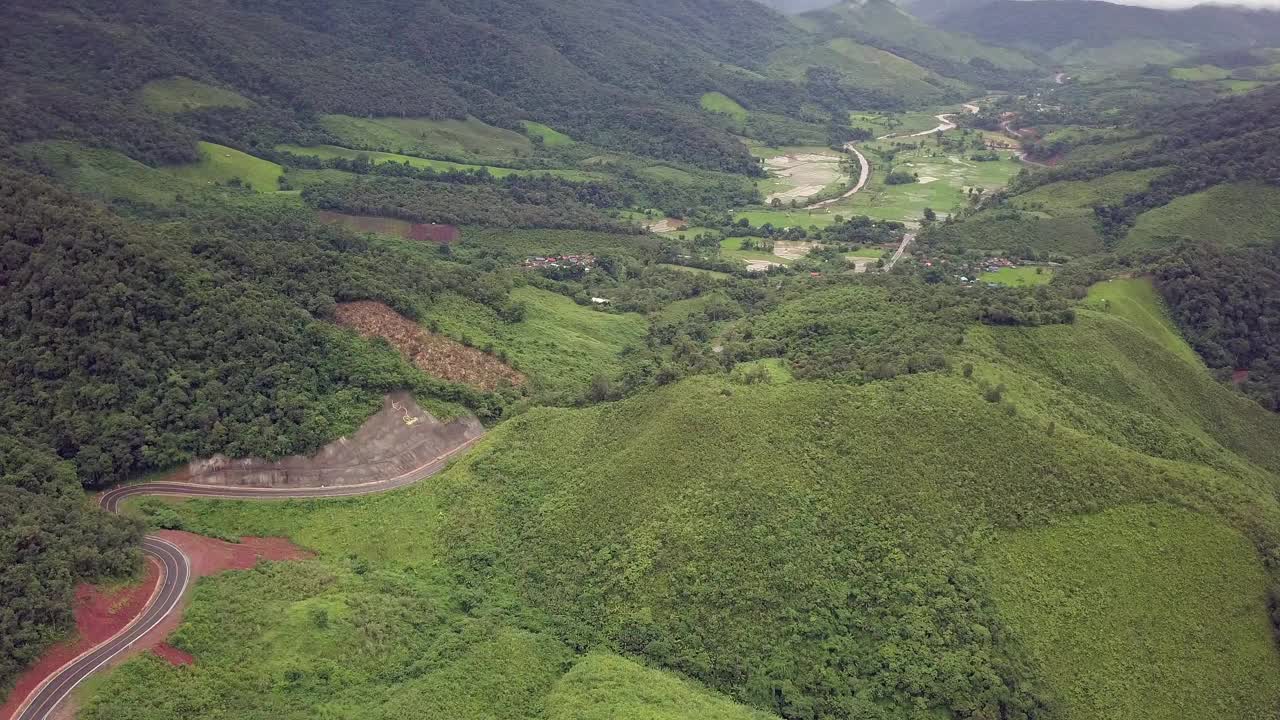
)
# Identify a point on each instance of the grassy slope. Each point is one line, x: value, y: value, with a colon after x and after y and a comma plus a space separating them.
x: 1142, y: 611
x: 181, y: 94
x: 1232, y: 214
x: 866, y: 67
x: 550, y: 136
x: 326, y: 152
x: 561, y: 345
x: 845, y: 519
x: 608, y: 687
x: 717, y: 102
x: 1071, y: 196
x: 219, y: 165
x: 107, y: 174
x: 468, y: 138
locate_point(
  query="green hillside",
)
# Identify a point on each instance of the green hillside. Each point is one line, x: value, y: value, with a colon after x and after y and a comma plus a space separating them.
x: 1229, y: 215
x: 1099, y: 596
x: 835, y: 498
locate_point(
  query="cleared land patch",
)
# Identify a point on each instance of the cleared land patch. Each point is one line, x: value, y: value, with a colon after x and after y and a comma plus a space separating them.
x: 718, y: 102
x: 180, y: 94
x: 1150, y: 612
x: 1019, y: 277
x: 550, y: 136
x: 221, y: 165
x: 434, y: 354
x: 559, y: 344
x: 443, y: 234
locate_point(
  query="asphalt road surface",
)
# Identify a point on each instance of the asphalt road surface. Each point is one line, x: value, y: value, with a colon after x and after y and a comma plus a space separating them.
x: 176, y: 571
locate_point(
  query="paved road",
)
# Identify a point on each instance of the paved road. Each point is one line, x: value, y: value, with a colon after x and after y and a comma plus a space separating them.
x: 176, y: 571
x: 907, y: 239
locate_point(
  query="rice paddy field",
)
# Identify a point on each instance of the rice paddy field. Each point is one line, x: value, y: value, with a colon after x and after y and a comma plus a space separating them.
x: 943, y: 184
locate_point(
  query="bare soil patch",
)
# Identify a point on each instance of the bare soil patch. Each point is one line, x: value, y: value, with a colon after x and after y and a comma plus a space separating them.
x: 436, y: 355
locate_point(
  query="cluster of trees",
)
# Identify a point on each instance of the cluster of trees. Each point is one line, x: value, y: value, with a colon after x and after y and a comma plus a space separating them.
x: 1227, y: 304
x: 50, y: 540
x: 131, y: 348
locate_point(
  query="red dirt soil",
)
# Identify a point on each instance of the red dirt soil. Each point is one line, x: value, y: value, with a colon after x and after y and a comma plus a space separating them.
x: 436, y: 355
x: 101, y: 613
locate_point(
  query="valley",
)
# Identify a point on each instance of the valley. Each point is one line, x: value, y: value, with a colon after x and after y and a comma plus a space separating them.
x: 867, y: 360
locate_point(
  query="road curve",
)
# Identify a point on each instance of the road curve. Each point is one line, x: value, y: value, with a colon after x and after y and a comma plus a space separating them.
x: 175, y: 571
x: 863, y: 173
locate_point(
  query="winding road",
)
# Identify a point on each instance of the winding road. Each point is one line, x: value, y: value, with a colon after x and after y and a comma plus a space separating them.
x: 175, y: 569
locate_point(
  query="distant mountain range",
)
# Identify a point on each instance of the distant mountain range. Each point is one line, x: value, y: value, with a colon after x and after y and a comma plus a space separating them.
x: 1054, y: 25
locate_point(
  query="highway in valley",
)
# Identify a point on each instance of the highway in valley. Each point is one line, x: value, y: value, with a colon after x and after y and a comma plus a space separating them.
x: 175, y: 569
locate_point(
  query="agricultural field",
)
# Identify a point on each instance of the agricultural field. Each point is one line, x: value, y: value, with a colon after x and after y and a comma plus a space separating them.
x: 1021, y: 233
x: 944, y: 181
x: 1229, y: 215
x: 1019, y: 277
x: 220, y: 165
x: 866, y: 67
x: 1127, y: 613
x: 684, y: 268
x: 801, y: 173
x: 180, y: 94
x: 731, y: 249
x: 790, y: 218
x: 717, y: 102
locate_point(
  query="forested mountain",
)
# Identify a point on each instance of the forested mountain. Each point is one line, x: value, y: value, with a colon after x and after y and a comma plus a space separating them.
x: 886, y: 25
x: 73, y: 66
x: 1080, y: 25
x: 788, y: 416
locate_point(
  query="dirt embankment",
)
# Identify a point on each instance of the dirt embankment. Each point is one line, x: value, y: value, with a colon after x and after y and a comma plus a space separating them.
x: 399, y: 439
x: 436, y: 355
